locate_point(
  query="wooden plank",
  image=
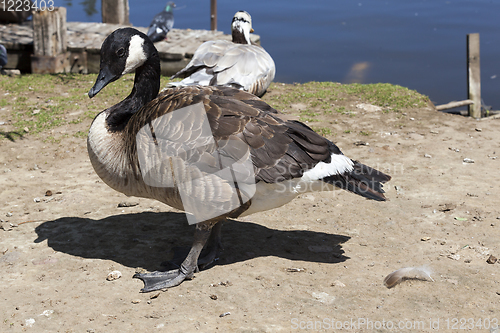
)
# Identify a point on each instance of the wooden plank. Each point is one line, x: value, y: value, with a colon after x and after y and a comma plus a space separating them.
x: 41, y: 64
x: 16, y: 36
x: 115, y: 11
x: 474, y: 75
x: 49, y: 42
x: 495, y: 116
x: 19, y: 59
x: 84, y: 40
x: 78, y: 62
x: 454, y: 104
x: 49, y: 32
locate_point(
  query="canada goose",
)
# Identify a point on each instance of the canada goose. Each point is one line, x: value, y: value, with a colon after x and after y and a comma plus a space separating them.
x: 152, y: 145
x: 237, y: 64
x: 162, y: 23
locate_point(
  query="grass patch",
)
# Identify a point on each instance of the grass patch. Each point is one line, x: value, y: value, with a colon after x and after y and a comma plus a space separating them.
x: 42, y: 121
x: 40, y: 103
x: 324, y: 131
x: 386, y: 95
x: 305, y: 119
x: 326, y: 96
x: 81, y: 134
x: 52, y: 139
x: 341, y: 109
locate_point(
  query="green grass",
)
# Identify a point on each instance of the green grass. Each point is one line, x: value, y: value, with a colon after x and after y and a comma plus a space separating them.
x: 386, y: 95
x: 40, y: 103
x: 80, y: 134
x: 44, y: 120
x: 307, y: 119
x: 325, y: 96
x: 324, y: 131
x: 341, y: 109
x: 53, y: 97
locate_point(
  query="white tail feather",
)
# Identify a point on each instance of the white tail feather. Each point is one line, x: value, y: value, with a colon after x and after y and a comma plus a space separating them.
x: 418, y: 273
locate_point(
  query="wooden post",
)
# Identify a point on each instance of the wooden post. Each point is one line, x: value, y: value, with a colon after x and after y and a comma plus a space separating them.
x: 452, y: 105
x: 213, y: 14
x: 49, y: 41
x: 115, y: 11
x: 474, y: 75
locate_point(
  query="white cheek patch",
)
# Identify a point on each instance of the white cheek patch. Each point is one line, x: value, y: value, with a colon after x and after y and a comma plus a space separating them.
x: 136, y: 55
x: 338, y: 165
x: 246, y: 31
x: 159, y: 30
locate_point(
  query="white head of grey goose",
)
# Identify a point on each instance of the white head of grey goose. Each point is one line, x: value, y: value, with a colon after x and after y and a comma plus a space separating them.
x: 238, y: 64
x: 287, y: 157
x: 241, y: 27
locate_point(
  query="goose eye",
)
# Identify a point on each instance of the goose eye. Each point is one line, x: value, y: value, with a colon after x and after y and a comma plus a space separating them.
x: 120, y: 52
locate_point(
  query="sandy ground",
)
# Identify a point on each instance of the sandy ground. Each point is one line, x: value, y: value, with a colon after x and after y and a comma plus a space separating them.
x: 317, y: 263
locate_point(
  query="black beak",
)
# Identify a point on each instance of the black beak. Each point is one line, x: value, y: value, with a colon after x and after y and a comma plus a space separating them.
x: 102, y: 81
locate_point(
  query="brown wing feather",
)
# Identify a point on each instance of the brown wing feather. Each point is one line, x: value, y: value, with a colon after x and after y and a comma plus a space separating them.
x: 280, y: 149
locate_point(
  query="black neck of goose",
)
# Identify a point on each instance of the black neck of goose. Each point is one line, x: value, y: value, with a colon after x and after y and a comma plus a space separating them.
x: 239, y: 37
x: 146, y: 88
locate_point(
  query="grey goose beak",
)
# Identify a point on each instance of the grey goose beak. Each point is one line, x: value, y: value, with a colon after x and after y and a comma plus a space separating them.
x: 102, y: 81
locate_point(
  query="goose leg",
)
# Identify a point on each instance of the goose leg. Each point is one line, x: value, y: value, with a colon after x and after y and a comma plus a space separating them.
x: 159, y: 280
x: 214, y: 246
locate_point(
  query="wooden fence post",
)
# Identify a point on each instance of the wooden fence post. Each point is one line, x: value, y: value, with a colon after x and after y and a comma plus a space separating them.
x: 49, y: 41
x: 474, y: 75
x: 213, y: 14
x: 115, y: 11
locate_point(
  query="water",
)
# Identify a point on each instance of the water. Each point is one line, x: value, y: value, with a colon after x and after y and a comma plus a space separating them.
x: 419, y: 44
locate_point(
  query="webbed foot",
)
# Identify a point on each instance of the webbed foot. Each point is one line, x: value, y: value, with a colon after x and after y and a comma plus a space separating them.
x: 160, y: 280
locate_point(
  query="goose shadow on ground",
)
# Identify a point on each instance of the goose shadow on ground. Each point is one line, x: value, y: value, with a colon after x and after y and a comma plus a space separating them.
x: 146, y: 239
x: 12, y: 135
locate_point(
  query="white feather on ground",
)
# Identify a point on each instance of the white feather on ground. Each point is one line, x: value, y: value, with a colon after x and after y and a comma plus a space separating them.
x: 408, y: 273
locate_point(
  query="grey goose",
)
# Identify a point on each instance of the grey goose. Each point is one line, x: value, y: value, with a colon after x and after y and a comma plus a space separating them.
x: 237, y: 63
x: 152, y: 145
